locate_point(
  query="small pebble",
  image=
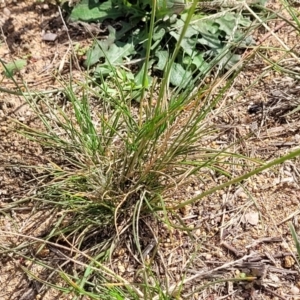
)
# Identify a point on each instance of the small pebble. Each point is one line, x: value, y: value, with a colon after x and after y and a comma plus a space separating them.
x: 6, y: 11
x: 121, y: 268
x: 208, y: 256
x: 274, y: 278
x: 243, y: 195
x: 295, y: 290
x: 49, y: 37
x: 219, y: 254
x: 288, y: 262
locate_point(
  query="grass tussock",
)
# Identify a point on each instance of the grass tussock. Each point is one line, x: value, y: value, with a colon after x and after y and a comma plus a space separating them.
x: 115, y: 165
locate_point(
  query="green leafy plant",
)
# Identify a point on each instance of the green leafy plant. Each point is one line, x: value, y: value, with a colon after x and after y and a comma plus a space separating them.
x: 12, y: 67
x: 115, y: 163
x: 208, y: 41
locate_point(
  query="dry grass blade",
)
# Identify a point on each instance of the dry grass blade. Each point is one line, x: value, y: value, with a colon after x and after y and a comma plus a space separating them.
x: 206, y: 273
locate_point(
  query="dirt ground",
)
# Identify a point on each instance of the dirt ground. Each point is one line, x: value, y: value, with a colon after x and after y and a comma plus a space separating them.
x: 227, y: 225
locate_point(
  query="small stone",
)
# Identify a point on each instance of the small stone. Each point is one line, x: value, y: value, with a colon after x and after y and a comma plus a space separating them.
x: 198, y: 232
x: 274, y: 278
x: 218, y: 219
x: 288, y: 202
x: 49, y: 37
x: 288, y: 262
x: 295, y: 200
x: 251, y: 218
x: 208, y: 256
x: 3, y: 192
x: 26, y: 46
x: 294, y: 290
x: 243, y: 195
x: 6, y: 11
x: 121, y: 268
x: 219, y: 254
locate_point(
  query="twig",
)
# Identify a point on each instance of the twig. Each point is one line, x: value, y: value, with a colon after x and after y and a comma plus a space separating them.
x: 271, y: 31
x: 271, y: 258
x: 260, y: 257
x: 282, y: 271
x: 223, y: 216
x: 265, y: 240
x: 100, y: 267
x: 173, y: 287
x: 289, y: 217
x: 70, y: 45
x: 236, y: 252
x: 273, y: 293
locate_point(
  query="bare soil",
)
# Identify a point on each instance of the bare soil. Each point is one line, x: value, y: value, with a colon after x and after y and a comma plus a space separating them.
x: 225, y: 227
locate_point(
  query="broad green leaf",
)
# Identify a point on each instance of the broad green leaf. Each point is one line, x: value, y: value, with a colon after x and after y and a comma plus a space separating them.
x: 207, y: 33
x: 139, y: 77
x: 197, y: 61
x: 158, y: 33
x: 163, y: 57
x: 178, y: 26
x: 188, y: 44
x: 14, y: 66
x: 228, y: 60
x: 103, y: 70
x: 227, y: 23
x: 93, y: 11
x: 116, y: 54
x: 245, y: 22
x: 179, y: 77
x: 169, y: 7
x: 95, y: 53
x: 125, y: 27
x: 210, y: 40
x: 100, y: 48
x: 139, y: 82
x: 203, y: 38
x: 244, y: 41
x: 200, y: 63
x: 206, y: 27
x: 157, y: 37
